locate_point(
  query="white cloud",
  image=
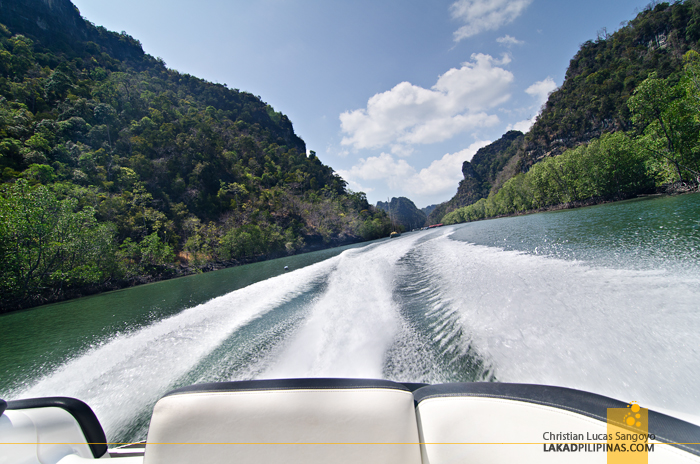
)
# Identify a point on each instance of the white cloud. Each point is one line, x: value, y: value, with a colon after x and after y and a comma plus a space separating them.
x: 356, y: 187
x: 485, y: 15
x: 509, y: 41
x: 401, y: 150
x: 440, y: 178
x: 409, y: 114
x: 522, y: 126
x: 437, y: 130
x: 383, y: 167
x: 443, y: 175
x: 541, y: 91
x: 334, y: 151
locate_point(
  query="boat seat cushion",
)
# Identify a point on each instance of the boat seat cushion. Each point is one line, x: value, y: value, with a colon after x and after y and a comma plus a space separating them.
x: 504, y: 423
x: 293, y: 421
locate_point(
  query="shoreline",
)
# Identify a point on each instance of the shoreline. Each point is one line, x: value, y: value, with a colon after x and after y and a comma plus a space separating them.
x: 182, y: 270
x: 677, y: 188
x: 173, y: 271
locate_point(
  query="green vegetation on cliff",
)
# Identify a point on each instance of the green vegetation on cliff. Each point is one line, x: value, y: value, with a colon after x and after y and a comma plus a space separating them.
x: 604, y: 74
x: 663, y: 149
x: 134, y: 170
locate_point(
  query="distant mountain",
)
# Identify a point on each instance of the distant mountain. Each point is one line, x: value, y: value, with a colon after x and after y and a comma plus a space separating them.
x: 403, y: 212
x: 592, y: 101
x: 428, y: 209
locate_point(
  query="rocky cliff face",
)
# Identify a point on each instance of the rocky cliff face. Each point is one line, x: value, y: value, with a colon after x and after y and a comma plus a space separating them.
x: 58, y: 22
x: 44, y: 17
x: 605, y: 72
x: 404, y: 212
x: 481, y: 174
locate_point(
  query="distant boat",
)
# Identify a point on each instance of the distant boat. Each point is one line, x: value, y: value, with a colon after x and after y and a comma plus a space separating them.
x: 394, y: 234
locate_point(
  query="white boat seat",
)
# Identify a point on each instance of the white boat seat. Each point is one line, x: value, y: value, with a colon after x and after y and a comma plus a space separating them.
x: 45, y: 430
x: 474, y: 423
x: 292, y: 421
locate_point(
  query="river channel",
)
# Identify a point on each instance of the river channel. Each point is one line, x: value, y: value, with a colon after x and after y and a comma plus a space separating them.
x: 604, y: 299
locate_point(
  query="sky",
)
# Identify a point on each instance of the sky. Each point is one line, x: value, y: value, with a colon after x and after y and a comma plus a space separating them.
x: 394, y: 95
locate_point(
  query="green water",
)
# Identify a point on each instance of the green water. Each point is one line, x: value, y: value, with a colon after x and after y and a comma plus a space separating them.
x: 659, y: 232
x: 37, y: 340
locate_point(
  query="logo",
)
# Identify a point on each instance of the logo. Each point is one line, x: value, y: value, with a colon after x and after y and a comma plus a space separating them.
x: 634, y: 416
x: 627, y: 440
x: 628, y: 435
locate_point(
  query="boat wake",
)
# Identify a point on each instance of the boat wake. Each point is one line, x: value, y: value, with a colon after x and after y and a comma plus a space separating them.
x: 124, y: 377
x: 627, y: 334
x: 421, y: 308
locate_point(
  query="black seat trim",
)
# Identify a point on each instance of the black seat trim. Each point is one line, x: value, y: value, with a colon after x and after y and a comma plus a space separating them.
x: 666, y: 428
x: 414, y: 386
x: 290, y: 384
x: 83, y: 414
x: 3, y: 406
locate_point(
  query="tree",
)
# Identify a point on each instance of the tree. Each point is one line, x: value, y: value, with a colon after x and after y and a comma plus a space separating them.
x: 664, y: 116
x: 46, y: 244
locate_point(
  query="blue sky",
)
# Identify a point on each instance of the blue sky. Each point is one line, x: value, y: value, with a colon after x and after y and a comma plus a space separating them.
x: 394, y: 95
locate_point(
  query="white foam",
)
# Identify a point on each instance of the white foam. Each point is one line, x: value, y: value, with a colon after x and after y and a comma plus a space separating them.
x: 121, y: 378
x: 631, y: 335
x: 353, y: 323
